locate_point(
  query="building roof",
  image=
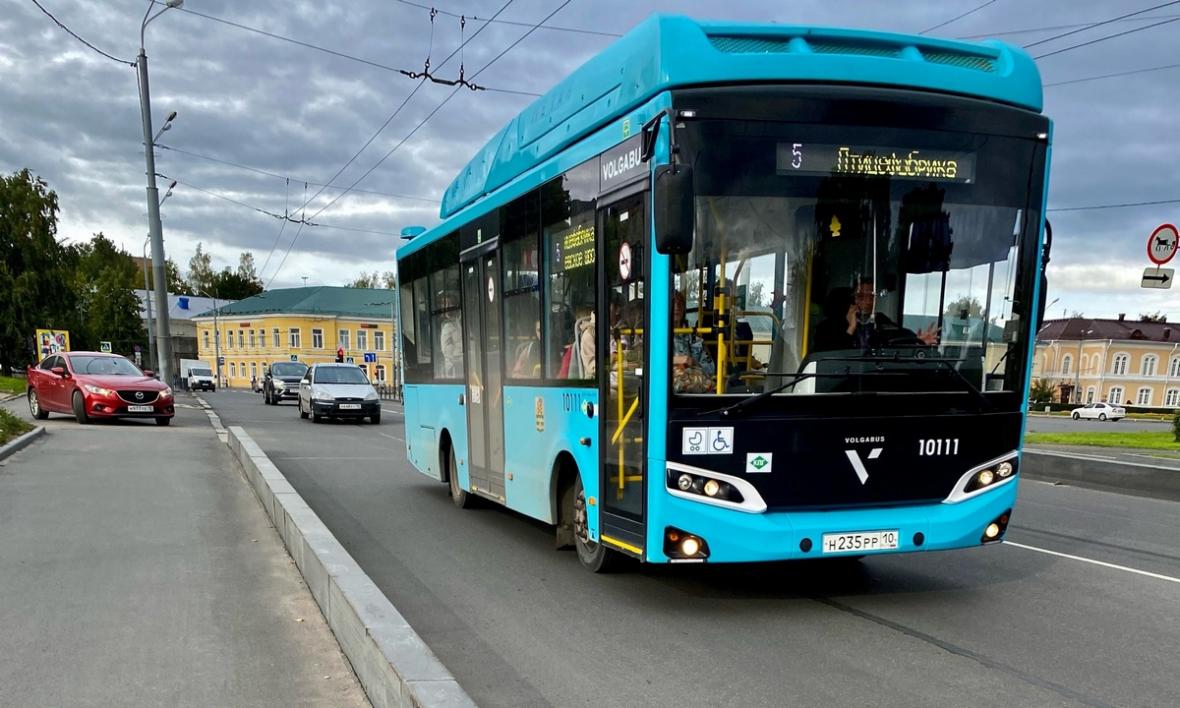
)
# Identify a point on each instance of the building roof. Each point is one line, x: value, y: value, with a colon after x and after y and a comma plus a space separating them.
x: 1086, y: 329
x: 180, y: 307
x: 373, y: 303
x: 668, y: 51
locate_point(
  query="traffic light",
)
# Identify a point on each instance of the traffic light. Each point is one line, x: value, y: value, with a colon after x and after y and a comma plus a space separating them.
x: 339, y: 355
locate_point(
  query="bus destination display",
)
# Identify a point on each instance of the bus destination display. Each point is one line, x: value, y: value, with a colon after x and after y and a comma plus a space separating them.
x: 574, y: 248
x: 872, y: 161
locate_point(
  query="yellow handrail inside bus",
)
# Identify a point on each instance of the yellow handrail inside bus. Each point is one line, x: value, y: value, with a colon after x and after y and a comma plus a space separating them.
x: 626, y: 419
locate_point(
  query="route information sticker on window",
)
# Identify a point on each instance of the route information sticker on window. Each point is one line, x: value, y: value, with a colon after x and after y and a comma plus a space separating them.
x: 707, y: 441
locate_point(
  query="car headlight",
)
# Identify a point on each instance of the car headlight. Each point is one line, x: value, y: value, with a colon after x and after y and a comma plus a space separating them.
x: 371, y: 396
x: 166, y: 393
x: 321, y: 397
x: 98, y: 390
x: 280, y: 385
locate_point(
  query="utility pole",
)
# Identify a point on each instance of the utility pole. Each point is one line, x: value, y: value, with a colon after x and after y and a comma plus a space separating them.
x: 147, y: 298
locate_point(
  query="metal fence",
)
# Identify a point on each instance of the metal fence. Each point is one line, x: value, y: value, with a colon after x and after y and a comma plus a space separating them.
x: 389, y: 391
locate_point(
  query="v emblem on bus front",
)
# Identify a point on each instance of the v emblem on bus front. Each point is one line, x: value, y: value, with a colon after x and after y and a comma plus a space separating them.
x: 859, y: 465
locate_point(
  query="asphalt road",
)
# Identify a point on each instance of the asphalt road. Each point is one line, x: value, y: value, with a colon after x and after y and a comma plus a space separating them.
x: 520, y: 624
x: 1061, y: 424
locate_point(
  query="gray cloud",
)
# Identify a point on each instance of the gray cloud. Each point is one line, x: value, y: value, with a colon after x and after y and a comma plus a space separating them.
x: 73, y: 117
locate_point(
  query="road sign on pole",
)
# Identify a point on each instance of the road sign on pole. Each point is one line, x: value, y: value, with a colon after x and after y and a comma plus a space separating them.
x: 370, y: 357
x: 104, y: 347
x: 1160, y: 278
x: 1161, y: 245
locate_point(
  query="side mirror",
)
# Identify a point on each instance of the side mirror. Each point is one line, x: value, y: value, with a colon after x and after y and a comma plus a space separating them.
x: 59, y: 370
x: 1048, y: 245
x: 675, y: 212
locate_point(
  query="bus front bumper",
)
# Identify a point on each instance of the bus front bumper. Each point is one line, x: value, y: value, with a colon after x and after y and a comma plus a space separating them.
x: 738, y: 537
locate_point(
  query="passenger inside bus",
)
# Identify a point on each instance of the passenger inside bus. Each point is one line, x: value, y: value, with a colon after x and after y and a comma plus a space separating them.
x: 451, y: 337
x: 692, y: 366
x: 528, y: 357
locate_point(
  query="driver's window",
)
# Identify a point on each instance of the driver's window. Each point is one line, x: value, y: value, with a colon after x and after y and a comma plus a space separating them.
x: 50, y: 362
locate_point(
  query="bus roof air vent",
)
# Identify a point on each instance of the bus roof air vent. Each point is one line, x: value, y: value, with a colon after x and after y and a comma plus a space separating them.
x: 764, y: 44
x: 959, y: 59
x: 864, y: 49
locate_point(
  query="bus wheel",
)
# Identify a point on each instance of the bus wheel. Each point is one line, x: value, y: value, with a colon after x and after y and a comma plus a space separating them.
x: 460, y: 497
x: 594, y: 557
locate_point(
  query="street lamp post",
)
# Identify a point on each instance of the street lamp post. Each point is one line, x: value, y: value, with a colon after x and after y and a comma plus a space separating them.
x: 216, y: 335
x: 163, y: 333
x: 147, y: 298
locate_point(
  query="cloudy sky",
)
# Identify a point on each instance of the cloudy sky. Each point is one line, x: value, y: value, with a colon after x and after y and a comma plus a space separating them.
x: 287, y: 114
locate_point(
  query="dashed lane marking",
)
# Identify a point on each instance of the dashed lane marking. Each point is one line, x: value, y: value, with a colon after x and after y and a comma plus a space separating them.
x: 1104, y: 564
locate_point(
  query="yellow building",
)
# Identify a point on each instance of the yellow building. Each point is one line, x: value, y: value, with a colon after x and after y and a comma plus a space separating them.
x: 1135, y: 364
x: 304, y: 324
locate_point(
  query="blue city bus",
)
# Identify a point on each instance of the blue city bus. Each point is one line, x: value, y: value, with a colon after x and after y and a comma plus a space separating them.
x: 735, y: 293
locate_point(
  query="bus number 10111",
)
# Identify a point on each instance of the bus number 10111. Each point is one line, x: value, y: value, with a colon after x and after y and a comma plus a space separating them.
x: 938, y: 446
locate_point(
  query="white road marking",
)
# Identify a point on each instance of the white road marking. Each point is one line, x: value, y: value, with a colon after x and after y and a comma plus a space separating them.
x: 390, y: 410
x: 394, y: 437
x: 1104, y: 564
x: 1095, y: 458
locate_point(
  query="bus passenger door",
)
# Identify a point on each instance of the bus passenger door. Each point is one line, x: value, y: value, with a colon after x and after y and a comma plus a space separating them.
x: 622, y: 366
x: 485, y: 414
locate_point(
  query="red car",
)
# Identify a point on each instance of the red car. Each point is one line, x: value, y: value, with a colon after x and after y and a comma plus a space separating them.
x: 95, y: 385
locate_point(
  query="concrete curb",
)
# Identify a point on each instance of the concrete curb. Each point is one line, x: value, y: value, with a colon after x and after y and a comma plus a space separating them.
x: 392, y: 662
x: 1137, y: 479
x: 21, y: 442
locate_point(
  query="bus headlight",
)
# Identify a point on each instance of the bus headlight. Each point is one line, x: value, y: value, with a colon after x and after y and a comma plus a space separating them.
x: 684, y: 482
x: 683, y: 547
x: 976, y: 480
x: 1004, y: 470
x: 712, y: 489
x: 704, y: 486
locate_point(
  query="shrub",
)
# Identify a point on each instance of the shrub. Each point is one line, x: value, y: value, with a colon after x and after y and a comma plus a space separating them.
x: 1176, y: 426
x: 11, y: 426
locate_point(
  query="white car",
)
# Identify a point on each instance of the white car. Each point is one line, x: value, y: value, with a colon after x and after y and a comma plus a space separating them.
x: 1099, y: 411
x: 337, y: 391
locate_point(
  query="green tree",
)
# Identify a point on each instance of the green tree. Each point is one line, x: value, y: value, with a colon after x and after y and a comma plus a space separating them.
x: 1156, y: 316
x: 105, y: 278
x: 232, y: 285
x: 33, y: 268
x: 386, y: 280
x: 1041, y: 391
x: 177, y: 285
x: 201, y: 275
x: 963, y: 308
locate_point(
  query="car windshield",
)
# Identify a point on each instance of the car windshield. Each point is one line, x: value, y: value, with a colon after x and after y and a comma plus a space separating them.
x: 849, y: 259
x: 340, y: 375
x: 288, y: 369
x: 104, y: 366
x: 200, y: 372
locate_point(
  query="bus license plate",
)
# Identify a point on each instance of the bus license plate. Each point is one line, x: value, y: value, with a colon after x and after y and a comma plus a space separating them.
x: 350, y: 406
x: 140, y: 409
x: 859, y: 542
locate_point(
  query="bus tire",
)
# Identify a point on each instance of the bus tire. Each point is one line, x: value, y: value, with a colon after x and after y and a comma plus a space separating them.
x: 593, y: 556
x: 459, y: 497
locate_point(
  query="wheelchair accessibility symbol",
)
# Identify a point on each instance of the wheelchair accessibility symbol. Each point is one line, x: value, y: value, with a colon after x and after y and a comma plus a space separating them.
x: 707, y: 441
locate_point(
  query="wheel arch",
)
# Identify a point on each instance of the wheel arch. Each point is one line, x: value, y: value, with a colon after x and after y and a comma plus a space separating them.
x: 445, y: 444
x: 563, y: 474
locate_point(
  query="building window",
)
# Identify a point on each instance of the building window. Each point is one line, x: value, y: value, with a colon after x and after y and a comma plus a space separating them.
x: 262, y: 338
x: 206, y: 339
x: 381, y: 373
x: 1116, y: 395
x: 274, y: 333
x: 1144, y: 398
x: 1172, y: 399
x: 229, y: 339
x: 253, y: 342
x: 1066, y: 361
x: 1149, y: 364
x: 1120, y: 364
x: 293, y: 337
x: 379, y: 341
x: 1174, y: 367
x: 253, y: 371
x: 233, y: 370
x: 342, y: 339
x: 317, y: 338
x: 362, y: 340
x: 242, y: 368
x: 1090, y: 395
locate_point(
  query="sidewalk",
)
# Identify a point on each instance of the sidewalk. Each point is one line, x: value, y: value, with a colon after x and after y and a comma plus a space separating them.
x: 138, y: 569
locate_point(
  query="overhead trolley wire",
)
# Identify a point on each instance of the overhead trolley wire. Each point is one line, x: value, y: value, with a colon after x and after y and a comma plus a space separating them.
x: 1104, y: 22
x: 1103, y: 39
x: 76, y: 36
x: 956, y: 18
x: 474, y: 18
x: 423, y: 122
x: 276, y: 175
x: 1048, y: 28
x: 325, y: 50
x: 1114, y: 75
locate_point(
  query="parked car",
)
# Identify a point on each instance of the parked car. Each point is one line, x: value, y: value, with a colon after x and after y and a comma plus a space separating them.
x: 1099, y: 411
x: 337, y: 391
x: 96, y: 385
x: 200, y: 378
x: 281, y: 381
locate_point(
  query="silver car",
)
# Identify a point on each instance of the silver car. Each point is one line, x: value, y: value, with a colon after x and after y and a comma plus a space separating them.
x: 337, y: 391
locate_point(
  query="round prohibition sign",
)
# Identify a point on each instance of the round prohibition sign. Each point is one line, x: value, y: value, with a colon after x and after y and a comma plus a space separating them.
x: 1161, y: 245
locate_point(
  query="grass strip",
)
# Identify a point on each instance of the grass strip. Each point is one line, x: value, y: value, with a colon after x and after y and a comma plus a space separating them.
x: 1144, y: 440
x: 11, y: 427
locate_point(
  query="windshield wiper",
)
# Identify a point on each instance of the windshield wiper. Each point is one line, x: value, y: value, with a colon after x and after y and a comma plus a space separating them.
x: 947, y: 362
x: 792, y: 379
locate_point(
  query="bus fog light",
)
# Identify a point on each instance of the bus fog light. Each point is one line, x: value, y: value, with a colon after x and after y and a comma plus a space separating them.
x: 684, y: 482
x: 1004, y: 470
x: 986, y: 477
x: 995, y: 530
x: 712, y: 488
x: 992, y: 530
x: 690, y: 546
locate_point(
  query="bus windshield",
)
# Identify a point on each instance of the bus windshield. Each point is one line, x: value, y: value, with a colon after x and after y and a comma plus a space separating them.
x: 851, y: 259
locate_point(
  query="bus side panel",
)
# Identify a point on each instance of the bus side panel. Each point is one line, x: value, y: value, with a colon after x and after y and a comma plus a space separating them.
x: 430, y: 411
x: 657, y: 407
x: 540, y: 423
